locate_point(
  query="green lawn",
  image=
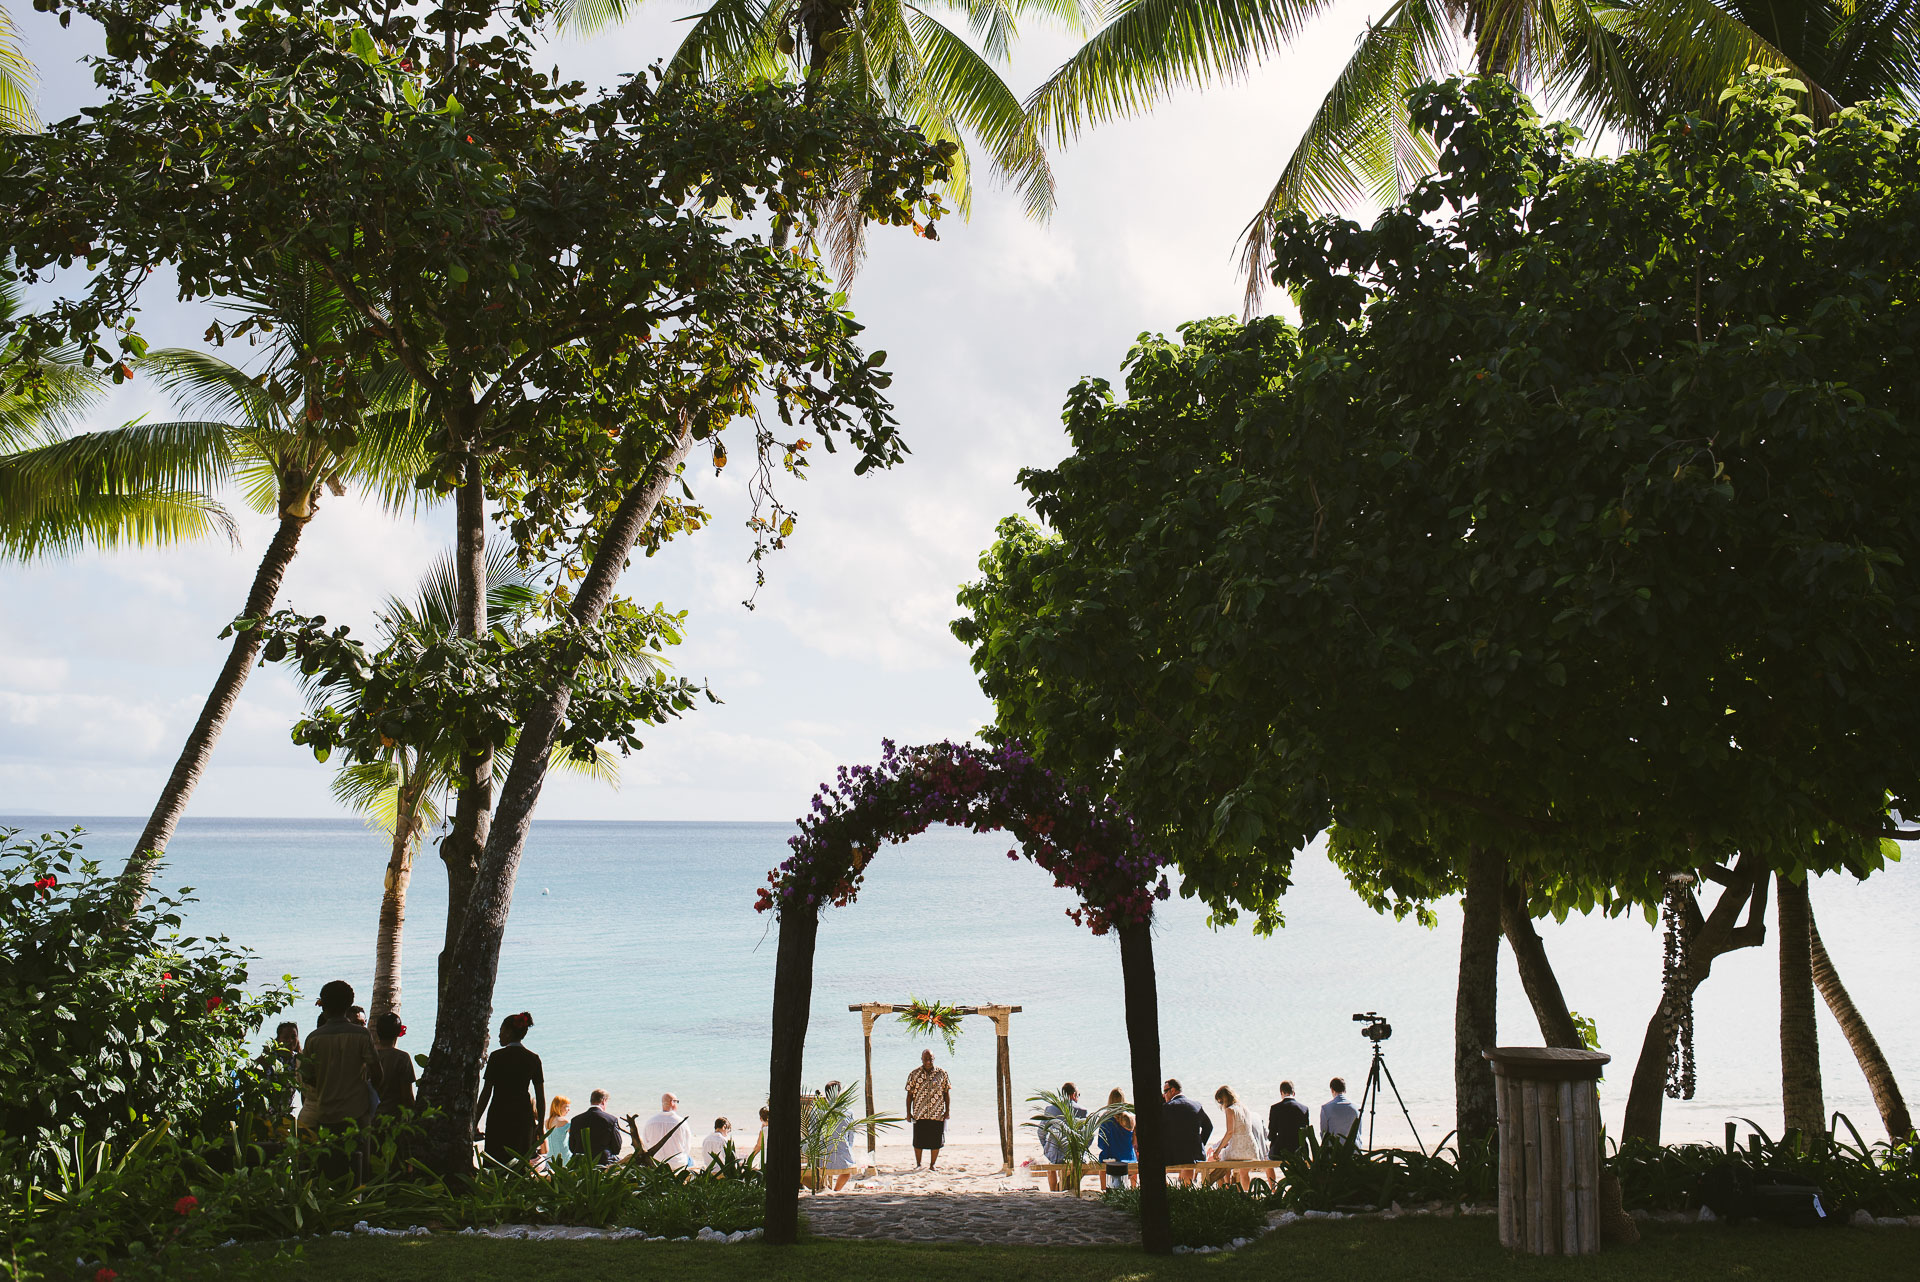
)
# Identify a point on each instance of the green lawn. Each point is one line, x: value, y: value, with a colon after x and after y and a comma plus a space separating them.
x: 1370, y: 1251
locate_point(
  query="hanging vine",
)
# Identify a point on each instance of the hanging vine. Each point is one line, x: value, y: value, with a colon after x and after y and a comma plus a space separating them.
x: 1676, y: 999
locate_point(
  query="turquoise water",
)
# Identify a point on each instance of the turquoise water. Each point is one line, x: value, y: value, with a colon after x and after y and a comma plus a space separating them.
x: 636, y: 948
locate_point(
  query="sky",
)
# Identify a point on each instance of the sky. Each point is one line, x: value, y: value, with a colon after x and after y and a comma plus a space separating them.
x: 106, y: 658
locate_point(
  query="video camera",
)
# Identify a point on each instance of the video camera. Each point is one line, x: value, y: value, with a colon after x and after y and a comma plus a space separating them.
x: 1377, y: 1029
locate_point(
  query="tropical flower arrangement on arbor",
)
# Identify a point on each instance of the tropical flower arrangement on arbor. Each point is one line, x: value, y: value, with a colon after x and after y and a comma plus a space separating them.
x: 924, y: 1019
x: 1089, y: 845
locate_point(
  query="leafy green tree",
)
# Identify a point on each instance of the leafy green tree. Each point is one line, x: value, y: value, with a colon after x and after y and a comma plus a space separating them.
x: 403, y: 789
x: 1626, y: 67
x: 901, y: 58
x: 116, y: 1023
x: 1463, y: 570
x: 263, y: 431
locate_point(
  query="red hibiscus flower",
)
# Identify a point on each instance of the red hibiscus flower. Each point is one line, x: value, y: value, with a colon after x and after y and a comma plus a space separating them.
x: 105, y: 1275
x: 214, y: 1003
x: 186, y: 1204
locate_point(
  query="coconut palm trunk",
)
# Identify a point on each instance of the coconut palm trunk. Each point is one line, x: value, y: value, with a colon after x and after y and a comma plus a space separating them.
x: 393, y: 897
x: 241, y: 656
x: 1801, y: 1096
x: 460, y: 1033
x: 1475, y: 1010
x: 1866, y: 1049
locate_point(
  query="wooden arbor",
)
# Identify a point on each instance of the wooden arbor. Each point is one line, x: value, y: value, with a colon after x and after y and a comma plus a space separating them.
x: 1067, y: 831
x: 1002, y: 1017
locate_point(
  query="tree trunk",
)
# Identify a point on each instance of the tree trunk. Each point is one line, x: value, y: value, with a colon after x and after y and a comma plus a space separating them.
x: 473, y: 804
x: 1886, y: 1091
x: 466, y: 1006
x: 1743, y: 886
x: 1536, y: 973
x: 1475, y: 1009
x: 192, y: 763
x: 1149, y: 1119
x: 393, y: 901
x: 792, y: 1008
x: 1801, y: 1097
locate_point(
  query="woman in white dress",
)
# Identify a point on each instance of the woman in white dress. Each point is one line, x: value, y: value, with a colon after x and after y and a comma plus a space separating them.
x: 1238, y: 1143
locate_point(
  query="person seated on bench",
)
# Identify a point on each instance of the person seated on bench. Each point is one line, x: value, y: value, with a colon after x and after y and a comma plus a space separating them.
x: 715, y: 1147
x: 1339, y: 1119
x: 1116, y: 1144
x: 595, y: 1133
x: 1285, y: 1122
x: 1187, y: 1128
x: 839, y: 1146
x: 1052, y: 1141
x: 666, y: 1135
x: 1238, y: 1143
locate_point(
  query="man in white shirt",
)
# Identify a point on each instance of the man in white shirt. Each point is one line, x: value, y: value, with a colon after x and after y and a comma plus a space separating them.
x: 1338, y: 1116
x: 665, y: 1134
x: 715, y: 1146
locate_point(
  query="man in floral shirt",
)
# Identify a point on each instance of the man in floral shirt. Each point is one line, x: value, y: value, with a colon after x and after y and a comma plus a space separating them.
x: 929, y: 1100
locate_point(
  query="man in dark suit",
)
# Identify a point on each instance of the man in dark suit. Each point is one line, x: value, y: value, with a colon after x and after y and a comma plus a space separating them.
x: 1285, y: 1121
x: 595, y: 1134
x: 1187, y: 1128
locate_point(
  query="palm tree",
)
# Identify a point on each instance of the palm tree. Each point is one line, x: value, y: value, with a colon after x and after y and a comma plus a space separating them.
x: 404, y: 792
x: 16, y: 81
x: 1624, y: 65
x: 895, y: 54
x: 269, y: 433
x: 134, y: 508
x: 1866, y: 1047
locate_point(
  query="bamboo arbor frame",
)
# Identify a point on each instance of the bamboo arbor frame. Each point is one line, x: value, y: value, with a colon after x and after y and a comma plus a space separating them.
x: 1002, y: 1017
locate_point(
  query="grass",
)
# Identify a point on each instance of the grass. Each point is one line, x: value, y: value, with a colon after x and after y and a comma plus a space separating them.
x: 1368, y: 1251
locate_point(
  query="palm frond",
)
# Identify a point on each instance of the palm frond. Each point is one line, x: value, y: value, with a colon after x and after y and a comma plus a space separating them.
x: 1150, y: 47
x: 954, y: 74
x: 16, y: 81
x: 1694, y: 49
x: 1359, y: 145
x: 205, y: 385
x: 435, y: 608
x: 370, y: 789
x: 389, y: 456
x: 598, y: 763
x: 139, y: 459
x: 50, y: 528
x: 1874, y: 52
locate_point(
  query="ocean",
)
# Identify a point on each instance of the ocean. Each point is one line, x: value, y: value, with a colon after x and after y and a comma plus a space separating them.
x: 636, y: 948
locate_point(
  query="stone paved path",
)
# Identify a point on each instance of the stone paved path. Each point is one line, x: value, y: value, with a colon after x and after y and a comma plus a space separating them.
x: 988, y: 1219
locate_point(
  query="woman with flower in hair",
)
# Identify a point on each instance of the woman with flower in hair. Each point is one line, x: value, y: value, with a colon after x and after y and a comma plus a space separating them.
x: 396, y: 1066
x: 517, y: 1091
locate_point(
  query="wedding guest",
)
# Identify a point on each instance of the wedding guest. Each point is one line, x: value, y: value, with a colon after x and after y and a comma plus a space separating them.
x: 665, y: 1135
x: 840, y: 1145
x: 1285, y: 1122
x: 280, y: 1066
x: 396, y: 1066
x: 1116, y: 1143
x: 595, y: 1134
x: 341, y: 1069
x: 759, y: 1153
x: 554, y: 1131
x: 1187, y: 1128
x: 1339, y: 1119
x: 514, y: 1095
x: 358, y: 1014
x: 929, y: 1104
x: 716, y: 1146
x: 1053, y: 1139
x: 1238, y: 1142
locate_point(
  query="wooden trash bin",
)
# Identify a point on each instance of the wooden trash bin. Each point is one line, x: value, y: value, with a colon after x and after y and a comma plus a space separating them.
x: 1549, y: 1148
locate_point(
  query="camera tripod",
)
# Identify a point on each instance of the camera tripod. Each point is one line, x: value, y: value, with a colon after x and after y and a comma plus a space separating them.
x: 1370, y: 1098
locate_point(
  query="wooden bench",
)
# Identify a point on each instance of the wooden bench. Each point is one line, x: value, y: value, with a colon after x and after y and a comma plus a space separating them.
x: 1043, y: 1169
x: 821, y: 1180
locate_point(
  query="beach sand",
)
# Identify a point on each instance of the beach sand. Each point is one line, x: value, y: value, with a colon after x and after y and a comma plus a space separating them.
x: 964, y: 1168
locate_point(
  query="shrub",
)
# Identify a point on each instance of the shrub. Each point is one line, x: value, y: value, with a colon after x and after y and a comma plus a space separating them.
x: 1327, y: 1177
x: 110, y: 1022
x: 1202, y: 1216
x: 1881, y: 1179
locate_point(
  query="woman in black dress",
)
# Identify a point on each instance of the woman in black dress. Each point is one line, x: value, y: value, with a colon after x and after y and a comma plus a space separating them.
x: 512, y: 1072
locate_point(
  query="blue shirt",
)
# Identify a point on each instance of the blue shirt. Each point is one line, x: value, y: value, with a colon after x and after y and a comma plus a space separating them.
x: 1338, y: 1117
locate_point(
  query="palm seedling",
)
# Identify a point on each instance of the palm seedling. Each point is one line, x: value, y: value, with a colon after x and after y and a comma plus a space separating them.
x: 1065, y: 1128
x: 826, y: 1120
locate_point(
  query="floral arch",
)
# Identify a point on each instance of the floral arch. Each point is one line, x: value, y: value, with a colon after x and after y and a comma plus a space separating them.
x: 1089, y: 846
